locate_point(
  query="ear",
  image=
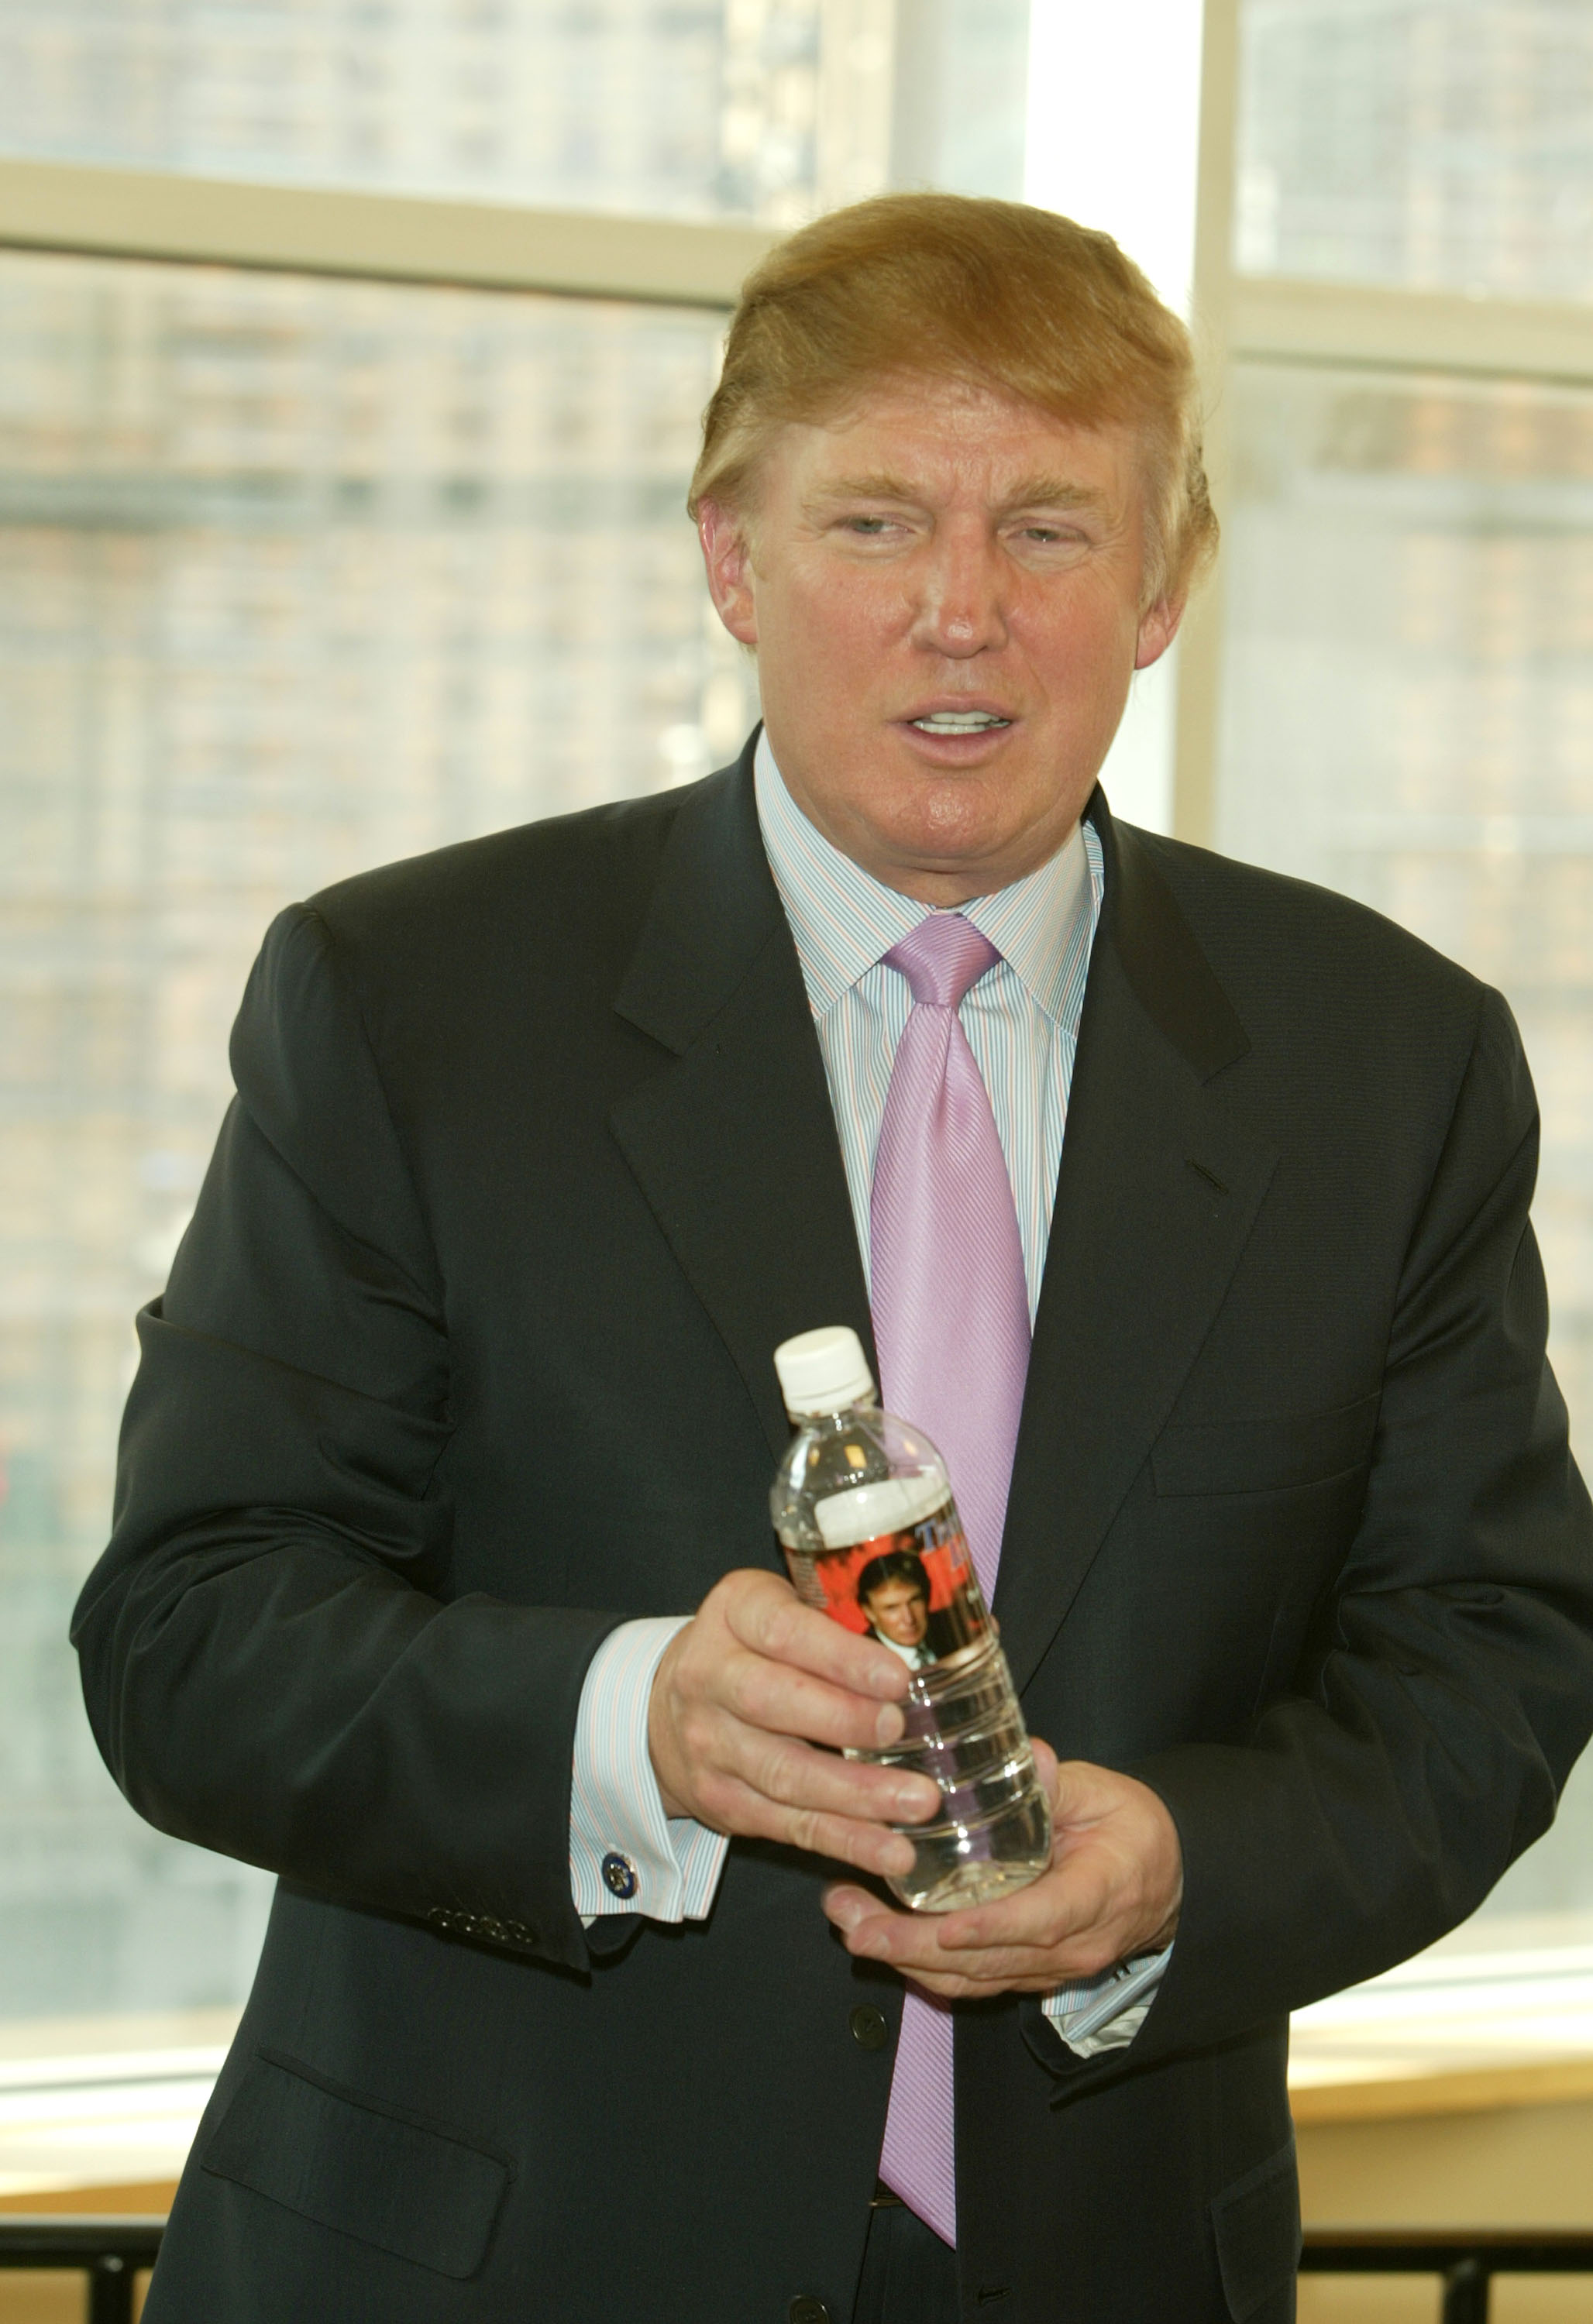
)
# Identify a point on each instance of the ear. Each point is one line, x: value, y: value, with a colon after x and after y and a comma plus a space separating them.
x: 726, y: 559
x: 1157, y: 629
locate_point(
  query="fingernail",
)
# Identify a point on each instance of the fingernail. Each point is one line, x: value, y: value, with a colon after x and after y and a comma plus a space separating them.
x: 846, y: 1912
x: 917, y: 1799
x: 899, y: 1857
x: 889, y: 1724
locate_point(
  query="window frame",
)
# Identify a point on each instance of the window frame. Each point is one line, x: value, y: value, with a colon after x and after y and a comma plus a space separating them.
x: 1281, y: 318
x: 168, y: 216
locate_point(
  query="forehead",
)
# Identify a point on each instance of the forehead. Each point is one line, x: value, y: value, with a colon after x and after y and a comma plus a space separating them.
x: 946, y: 440
x: 896, y: 1583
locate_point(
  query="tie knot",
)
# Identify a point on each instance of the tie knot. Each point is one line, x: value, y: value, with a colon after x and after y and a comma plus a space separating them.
x: 943, y: 957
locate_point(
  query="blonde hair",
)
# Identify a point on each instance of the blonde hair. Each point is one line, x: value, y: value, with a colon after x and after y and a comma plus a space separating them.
x: 993, y: 294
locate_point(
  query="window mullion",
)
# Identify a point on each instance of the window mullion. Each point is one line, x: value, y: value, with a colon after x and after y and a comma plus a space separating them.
x: 84, y: 208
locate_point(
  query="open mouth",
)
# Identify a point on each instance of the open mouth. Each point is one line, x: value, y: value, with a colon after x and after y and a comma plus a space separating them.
x: 959, y: 722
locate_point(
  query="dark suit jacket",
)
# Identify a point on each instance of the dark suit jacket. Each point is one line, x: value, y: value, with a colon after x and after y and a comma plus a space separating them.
x: 466, y: 1358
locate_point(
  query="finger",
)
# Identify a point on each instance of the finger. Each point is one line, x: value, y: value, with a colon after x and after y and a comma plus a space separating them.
x: 774, y: 1621
x: 849, y: 1907
x: 790, y: 1775
x: 918, y: 1945
x: 949, y: 1988
x: 1021, y: 1971
x: 1035, y: 1917
x: 1069, y: 1898
x: 967, y: 1988
x: 916, y: 1951
x: 1086, y: 1794
x: 783, y: 1700
x: 874, y: 1931
x: 867, y: 1846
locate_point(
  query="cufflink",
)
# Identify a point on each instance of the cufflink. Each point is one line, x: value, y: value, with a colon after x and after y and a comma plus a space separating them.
x: 619, y: 1874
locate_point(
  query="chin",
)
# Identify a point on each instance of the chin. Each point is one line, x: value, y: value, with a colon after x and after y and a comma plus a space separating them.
x: 944, y: 816
x: 939, y: 845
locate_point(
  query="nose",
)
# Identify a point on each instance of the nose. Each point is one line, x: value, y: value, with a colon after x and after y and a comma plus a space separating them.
x: 960, y: 611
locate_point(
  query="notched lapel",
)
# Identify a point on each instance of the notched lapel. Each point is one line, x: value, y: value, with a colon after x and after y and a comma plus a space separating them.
x: 1158, y: 1192
x: 732, y: 1141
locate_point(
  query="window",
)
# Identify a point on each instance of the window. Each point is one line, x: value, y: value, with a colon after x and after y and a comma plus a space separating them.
x: 1428, y: 144
x: 309, y: 558
x: 1410, y: 717
x: 298, y: 578
x: 298, y: 574
x: 692, y: 111
x: 1407, y: 604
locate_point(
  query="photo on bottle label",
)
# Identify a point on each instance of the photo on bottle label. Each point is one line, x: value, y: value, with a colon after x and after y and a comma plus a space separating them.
x: 913, y: 1590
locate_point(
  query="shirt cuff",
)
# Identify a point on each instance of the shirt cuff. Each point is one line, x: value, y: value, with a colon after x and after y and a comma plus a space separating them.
x: 626, y: 1855
x: 1106, y: 2012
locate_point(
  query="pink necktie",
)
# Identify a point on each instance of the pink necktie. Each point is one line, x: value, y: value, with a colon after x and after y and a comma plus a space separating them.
x: 950, y: 1308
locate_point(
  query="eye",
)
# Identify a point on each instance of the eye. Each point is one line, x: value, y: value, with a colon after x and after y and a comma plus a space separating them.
x: 871, y: 527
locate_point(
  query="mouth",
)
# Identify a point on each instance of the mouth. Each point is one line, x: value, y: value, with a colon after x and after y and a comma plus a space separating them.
x: 959, y: 722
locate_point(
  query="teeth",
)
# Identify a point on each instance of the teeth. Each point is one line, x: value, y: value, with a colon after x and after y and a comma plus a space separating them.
x: 959, y: 722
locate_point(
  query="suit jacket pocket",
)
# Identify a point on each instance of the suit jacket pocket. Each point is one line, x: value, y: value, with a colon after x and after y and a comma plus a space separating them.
x: 406, y: 2185
x: 1264, y: 1456
x: 1256, y: 2222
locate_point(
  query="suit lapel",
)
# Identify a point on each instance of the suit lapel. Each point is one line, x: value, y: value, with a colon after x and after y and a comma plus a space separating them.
x: 1158, y: 1190
x: 733, y: 1142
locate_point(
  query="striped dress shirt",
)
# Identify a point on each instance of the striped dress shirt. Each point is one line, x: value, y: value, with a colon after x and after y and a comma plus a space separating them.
x: 1022, y: 1022
x: 1021, y: 1019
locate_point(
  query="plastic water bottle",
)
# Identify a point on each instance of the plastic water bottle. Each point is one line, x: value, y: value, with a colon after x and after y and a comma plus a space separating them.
x: 863, y: 1507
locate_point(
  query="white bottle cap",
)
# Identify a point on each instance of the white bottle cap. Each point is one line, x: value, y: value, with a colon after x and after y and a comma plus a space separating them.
x: 823, y: 1372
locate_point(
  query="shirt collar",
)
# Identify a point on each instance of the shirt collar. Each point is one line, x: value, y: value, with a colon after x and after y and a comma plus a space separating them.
x: 843, y: 919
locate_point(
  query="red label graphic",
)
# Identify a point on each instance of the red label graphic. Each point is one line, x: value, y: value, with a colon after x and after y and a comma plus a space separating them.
x: 914, y: 1589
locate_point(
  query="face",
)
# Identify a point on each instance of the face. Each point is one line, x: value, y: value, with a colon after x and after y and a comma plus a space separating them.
x: 898, y: 1611
x: 943, y: 592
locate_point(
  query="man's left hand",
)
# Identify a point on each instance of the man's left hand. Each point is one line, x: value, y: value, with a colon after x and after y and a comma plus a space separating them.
x: 1112, y: 1891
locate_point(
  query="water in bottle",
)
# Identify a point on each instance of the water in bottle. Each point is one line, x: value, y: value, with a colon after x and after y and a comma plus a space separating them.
x: 863, y: 1507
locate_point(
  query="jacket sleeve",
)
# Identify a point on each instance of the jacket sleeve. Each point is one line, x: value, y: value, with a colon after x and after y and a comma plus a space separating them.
x: 273, y: 1659
x: 1450, y: 1686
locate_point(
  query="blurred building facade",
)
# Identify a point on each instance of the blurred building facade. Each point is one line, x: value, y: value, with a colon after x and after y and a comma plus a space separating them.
x: 1408, y: 675
x: 1422, y: 145
x: 684, y: 110
x: 299, y: 576
x: 296, y: 579
x: 1410, y: 710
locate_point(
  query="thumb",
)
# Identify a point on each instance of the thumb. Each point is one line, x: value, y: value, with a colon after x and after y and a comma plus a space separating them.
x: 1083, y: 1793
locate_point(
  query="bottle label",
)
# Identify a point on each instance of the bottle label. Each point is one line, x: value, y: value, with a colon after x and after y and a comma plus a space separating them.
x: 915, y: 1589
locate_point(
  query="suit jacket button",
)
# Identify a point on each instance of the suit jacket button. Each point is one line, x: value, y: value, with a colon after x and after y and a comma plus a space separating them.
x: 805, y: 2310
x: 619, y: 1874
x: 869, y: 2028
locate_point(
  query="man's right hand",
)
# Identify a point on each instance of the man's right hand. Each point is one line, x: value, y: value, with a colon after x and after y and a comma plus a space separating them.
x: 744, y: 1693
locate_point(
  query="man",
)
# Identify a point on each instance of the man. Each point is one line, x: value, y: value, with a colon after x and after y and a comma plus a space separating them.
x: 894, y: 1592
x: 442, y: 1581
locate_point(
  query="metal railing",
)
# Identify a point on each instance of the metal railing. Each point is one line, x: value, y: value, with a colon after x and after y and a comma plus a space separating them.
x: 1467, y: 2260
x: 111, y: 2251
x: 108, y: 2251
